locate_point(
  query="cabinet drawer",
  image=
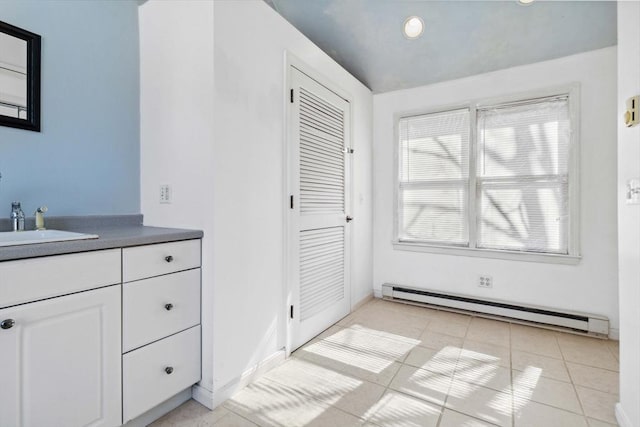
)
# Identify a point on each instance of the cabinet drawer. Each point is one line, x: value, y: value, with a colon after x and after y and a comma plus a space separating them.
x: 141, y: 262
x: 34, y: 279
x: 160, y: 306
x: 146, y: 381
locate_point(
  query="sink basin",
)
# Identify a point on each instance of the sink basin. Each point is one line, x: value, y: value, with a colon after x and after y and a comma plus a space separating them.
x: 15, y: 238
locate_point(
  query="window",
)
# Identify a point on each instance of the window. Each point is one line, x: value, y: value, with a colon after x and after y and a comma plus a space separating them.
x: 434, y: 178
x: 489, y: 178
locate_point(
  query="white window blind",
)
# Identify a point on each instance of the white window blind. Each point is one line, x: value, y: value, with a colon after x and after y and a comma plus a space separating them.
x: 515, y: 198
x: 523, y: 176
x: 434, y: 178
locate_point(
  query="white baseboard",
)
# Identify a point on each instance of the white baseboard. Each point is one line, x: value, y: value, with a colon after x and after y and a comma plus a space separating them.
x: 203, y: 396
x: 621, y: 416
x: 212, y: 399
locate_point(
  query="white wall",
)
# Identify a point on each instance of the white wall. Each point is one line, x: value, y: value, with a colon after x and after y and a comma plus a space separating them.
x: 590, y: 286
x: 217, y: 136
x: 176, y: 131
x: 628, y: 411
x: 248, y: 190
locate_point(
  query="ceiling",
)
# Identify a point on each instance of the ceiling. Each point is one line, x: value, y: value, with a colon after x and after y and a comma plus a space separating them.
x: 461, y: 38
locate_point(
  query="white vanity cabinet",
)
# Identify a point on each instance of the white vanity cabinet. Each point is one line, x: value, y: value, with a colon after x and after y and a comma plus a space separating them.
x: 161, y: 323
x: 98, y: 338
x: 61, y: 358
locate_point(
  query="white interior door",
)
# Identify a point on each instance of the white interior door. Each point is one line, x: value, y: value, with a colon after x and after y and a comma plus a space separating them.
x: 319, y: 171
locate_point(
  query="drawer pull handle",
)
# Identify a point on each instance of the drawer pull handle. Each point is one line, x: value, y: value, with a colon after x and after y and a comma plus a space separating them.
x: 168, y: 307
x: 7, y: 324
x: 168, y: 258
x: 168, y: 370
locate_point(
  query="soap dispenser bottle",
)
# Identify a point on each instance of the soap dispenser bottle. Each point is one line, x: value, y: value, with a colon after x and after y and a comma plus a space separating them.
x: 39, y: 213
x: 17, y: 217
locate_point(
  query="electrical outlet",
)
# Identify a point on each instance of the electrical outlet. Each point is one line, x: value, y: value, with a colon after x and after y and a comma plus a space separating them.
x: 485, y: 281
x: 165, y: 194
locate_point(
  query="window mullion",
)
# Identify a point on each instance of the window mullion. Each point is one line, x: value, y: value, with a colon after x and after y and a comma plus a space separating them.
x: 472, y: 205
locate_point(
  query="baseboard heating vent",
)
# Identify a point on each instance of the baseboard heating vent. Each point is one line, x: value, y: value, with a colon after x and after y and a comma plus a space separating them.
x: 588, y: 323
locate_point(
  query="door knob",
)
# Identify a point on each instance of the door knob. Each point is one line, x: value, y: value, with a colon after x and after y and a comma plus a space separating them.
x: 168, y: 370
x: 7, y: 324
x: 168, y: 307
x: 349, y: 218
x: 168, y: 258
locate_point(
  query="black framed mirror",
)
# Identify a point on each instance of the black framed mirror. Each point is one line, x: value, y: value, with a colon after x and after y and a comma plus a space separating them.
x: 19, y: 78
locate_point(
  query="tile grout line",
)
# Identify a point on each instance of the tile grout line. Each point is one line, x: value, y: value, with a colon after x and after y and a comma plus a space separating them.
x: 573, y: 385
x: 455, y: 369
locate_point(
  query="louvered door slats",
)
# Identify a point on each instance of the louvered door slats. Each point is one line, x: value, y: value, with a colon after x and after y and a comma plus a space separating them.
x: 319, y: 178
x: 319, y: 104
x: 312, y: 120
x: 334, y: 145
x: 311, y: 150
x: 315, y: 165
x: 321, y: 269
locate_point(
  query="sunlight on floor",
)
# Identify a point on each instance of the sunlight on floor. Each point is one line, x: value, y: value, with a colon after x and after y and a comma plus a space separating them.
x: 271, y: 402
x: 524, y: 385
x: 395, y: 406
x: 358, y: 374
x: 363, y: 348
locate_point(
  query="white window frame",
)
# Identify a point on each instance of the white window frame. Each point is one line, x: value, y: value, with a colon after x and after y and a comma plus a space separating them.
x: 573, y: 256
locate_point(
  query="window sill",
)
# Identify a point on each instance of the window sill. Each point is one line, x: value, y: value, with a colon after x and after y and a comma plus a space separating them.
x: 487, y: 253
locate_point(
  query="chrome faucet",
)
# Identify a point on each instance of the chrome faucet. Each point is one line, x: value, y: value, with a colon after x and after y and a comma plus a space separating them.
x: 17, y: 217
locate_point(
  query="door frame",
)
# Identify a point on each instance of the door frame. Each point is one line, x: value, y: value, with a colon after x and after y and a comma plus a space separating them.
x: 292, y: 61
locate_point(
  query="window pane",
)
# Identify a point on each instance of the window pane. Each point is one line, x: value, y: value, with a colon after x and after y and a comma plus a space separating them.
x: 523, y: 176
x: 434, y: 214
x: 524, y: 216
x: 435, y: 146
x: 434, y: 172
x: 524, y: 140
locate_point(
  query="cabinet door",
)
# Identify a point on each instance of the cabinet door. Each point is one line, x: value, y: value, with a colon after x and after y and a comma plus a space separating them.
x: 61, y: 361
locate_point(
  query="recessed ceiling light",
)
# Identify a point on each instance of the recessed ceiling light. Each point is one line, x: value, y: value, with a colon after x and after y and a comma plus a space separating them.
x: 525, y: 2
x: 413, y: 27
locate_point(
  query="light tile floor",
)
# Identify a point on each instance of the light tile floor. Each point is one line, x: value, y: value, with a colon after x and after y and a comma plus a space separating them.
x: 391, y: 364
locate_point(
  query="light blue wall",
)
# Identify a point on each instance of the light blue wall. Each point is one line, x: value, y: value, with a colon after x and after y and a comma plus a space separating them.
x: 86, y: 159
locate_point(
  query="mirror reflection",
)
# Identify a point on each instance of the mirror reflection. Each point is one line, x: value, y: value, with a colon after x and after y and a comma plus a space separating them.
x: 13, y: 76
x: 19, y: 78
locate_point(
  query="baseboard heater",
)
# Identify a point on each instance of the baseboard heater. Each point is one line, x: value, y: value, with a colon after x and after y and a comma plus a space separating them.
x: 582, y: 322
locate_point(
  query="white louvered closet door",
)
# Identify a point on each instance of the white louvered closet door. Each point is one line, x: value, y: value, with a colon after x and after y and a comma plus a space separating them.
x: 319, y: 232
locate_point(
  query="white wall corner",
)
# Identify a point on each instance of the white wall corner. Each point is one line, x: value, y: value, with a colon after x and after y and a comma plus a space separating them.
x: 250, y: 375
x: 614, y: 334
x: 621, y: 416
x: 362, y: 302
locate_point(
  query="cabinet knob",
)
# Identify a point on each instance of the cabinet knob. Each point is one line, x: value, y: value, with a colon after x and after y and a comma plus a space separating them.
x: 168, y: 370
x: 168, y: 258
x: 168, y: 307
x: 7, y: 324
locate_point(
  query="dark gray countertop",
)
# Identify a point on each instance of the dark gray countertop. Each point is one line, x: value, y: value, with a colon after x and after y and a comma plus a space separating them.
x: 113, y: 232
